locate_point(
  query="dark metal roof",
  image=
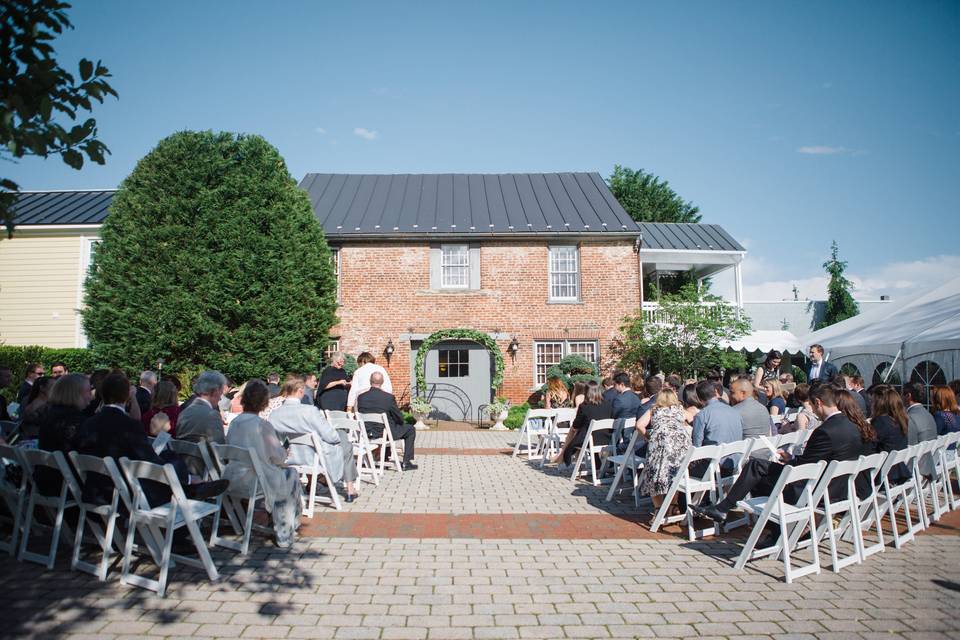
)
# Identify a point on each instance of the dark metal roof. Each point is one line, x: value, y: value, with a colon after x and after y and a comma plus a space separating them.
x: 465, y: 204
x: 373, y: 206
x: 62, y: 207
x: 685, y: 236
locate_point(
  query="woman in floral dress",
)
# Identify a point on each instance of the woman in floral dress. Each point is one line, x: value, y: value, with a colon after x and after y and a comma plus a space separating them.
x: 668, y: 440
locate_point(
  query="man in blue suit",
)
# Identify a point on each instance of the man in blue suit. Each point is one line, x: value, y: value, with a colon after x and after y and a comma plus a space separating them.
x: 819, y: 369
x: 626, y: 403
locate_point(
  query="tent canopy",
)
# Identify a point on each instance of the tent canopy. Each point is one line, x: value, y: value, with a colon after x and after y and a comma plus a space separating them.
x: 762, y: 340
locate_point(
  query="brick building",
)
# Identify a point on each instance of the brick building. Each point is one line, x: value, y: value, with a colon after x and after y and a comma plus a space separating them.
x: 548, y: 263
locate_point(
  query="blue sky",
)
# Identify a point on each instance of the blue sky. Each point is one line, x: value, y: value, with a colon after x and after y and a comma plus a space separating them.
x: 790, y: 124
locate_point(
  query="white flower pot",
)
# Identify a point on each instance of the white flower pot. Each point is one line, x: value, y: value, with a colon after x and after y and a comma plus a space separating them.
x: 420, y: 424
x: 498, y: 424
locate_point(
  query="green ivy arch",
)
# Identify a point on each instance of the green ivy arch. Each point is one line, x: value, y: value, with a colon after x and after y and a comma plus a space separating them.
x: 458, y: 334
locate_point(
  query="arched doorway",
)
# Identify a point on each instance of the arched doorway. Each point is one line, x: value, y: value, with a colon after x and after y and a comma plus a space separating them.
x: 457, y: 375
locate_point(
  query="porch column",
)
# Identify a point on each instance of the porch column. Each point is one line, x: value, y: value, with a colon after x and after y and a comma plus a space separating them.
x: 738, y: 287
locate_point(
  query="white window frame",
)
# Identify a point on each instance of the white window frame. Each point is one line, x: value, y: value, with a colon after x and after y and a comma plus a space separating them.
x: 462, y: 267
x: 551, y: 272
x: 564, y: 352
x: 333, y: 345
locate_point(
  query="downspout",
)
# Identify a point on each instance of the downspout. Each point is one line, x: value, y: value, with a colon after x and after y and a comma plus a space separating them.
x: 638, y: 243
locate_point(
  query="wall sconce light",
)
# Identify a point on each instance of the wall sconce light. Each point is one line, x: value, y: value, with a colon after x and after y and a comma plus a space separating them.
x: 514, y: 347
x: 388, y: 351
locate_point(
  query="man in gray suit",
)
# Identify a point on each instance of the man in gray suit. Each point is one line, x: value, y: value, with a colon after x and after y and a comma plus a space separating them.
x: 293, y: 418
x: 921, y: 425
x: 755, y: 416
x: 201, y: 420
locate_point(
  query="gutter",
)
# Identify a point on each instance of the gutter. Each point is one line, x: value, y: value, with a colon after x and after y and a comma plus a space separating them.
x: 426, y: 237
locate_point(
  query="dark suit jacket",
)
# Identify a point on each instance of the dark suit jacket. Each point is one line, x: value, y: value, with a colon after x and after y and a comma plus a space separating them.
x: 835, y: 439
x: 588, y: 412
x: 625, y: 405
x: 610, y: 394
x: 827, y: 372
x: 379, y: 401
x: 115, y: 434
x: 23, y: 393
x: 144, y: 399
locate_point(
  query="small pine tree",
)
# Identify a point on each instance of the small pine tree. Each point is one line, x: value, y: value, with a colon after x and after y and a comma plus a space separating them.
x: 211, y: 255
x: 840, y: 302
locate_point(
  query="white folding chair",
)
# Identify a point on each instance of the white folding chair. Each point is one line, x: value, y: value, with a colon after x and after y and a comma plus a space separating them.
x: 738, y: 453
x: 179, y: 512
x: 384, y: 442
x: 198, y: 450
x: 107, y: 537
x: 550, y: 443
x: 591, y: 449
x: 151, y: 535
x: 14, y: 496
x: 694, y: 486
x: 362, y: 449
x: 789, y: 517
x: 844, y: 472
x: 623, y: 462
x: 951, y: 465
x: 936, y: 484
x: 868, y: 507
x: 312, y: 472
x: 893, y: 497
x: 536, y: 423
x: 240, y: 515
x: 55, y: 506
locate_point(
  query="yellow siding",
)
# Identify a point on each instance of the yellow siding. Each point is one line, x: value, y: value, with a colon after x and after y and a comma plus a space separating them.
x: 40, y: 287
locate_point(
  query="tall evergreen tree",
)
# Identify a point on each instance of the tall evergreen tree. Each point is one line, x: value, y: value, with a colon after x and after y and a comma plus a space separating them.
x: 211, y: 255
x: 647, y: 198
x: 840, y: 302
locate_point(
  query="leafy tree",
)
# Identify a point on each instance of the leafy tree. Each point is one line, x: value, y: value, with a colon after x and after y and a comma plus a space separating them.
x: 211, y: 256
x: 840, y: 302
x: 35, y: 91
x: 647, y: 198
x: 685, y: 337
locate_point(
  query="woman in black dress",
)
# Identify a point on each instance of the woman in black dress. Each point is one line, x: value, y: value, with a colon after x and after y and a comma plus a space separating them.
x: 889, y: 420
x: 593, y: 407
x: 334, y: 385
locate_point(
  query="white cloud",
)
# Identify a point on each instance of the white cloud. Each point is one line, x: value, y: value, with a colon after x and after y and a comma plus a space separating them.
x: 823, y: 150
x: 366, y: 134
x: 896, y: 279
x: 321, y: 131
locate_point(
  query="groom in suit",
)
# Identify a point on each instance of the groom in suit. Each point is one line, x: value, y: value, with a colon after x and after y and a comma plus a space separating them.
x: 819, y: 369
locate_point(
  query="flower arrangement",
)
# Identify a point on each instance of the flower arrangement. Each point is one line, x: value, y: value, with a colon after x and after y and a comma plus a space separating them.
x: 498, y: 406
x: 420, y: 406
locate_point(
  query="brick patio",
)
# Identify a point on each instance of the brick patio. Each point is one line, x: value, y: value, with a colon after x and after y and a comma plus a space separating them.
x: 486, y: 546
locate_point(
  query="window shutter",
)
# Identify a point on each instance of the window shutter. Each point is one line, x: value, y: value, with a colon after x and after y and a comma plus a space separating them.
x: 474, y: 266
x: 435, y: 277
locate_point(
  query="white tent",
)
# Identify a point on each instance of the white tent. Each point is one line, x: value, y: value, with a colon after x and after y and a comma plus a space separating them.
x: 764, y: 340
x: 918, y: 337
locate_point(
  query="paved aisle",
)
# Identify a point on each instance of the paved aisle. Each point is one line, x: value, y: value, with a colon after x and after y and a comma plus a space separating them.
x: 474, y: 570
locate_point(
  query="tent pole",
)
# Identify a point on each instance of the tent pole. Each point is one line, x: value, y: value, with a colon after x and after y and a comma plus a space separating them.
x: 886, y: 376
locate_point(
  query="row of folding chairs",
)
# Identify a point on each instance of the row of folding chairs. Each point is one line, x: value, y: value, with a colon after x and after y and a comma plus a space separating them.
x: 542, y: 433
x: 369, y: 466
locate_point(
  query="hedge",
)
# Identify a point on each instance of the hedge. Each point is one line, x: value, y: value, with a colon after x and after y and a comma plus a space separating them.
x: 17, y: 358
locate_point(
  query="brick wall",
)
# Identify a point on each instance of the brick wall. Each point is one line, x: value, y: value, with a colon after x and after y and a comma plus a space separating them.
x: 385, y: 292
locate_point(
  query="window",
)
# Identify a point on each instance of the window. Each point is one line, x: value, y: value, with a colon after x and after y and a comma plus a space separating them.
x: 454, y: 266
x: 454, y: 363
x: 549, y: 353
x: 335, y: 258
x: 929, y: 374
x: 849, y: 369
x: 332, y: 347
x: 564, y: 271
x: 881, y: 376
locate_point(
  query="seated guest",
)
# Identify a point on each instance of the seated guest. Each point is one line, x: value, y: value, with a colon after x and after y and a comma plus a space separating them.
x: 309, y: 388
x: 626, y: 403
x: 69, y: 398
x: 691, y: 403
x: 113, y: 433
x: 34, y: 371
x: 376, y: 400
x: 835, y: 439
x: 579, y: 393
x: 609, y: 393
x: 200, y: 421
x: 920, y: 423
x: 280, y: 483
x: 273, y: 384
x: 776, y: 403
x: 946, y: 413
x: 366, y: 367
x: 160, y: 423
x: 674, y: 383
x: 6, y: 377
x: 333, y: 384
x: 293, y: 418
x: 593, y: 407
x: 164, y: 400
x: 848, y: 405
x: 714, y: 376
x: 148, y: 383
x: 668, y: 440
x: 32, y: 411
x: 651, y: 387
x: 806, y: 418
x: 755, y: 417
x: 557, y: 394
x: 889, y: 421
x: 717, y: 422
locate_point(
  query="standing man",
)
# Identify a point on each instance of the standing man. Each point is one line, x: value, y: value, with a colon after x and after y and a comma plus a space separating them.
x: 57, y: 370
x: 376, y: 400
x: 819, y: 369
x: 273, y: 384
x: 34, y: 371
x: 309, y: 388
x: 148, y: 382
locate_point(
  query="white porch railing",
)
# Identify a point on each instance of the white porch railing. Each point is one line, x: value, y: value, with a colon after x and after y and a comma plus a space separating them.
x: 653, y: 313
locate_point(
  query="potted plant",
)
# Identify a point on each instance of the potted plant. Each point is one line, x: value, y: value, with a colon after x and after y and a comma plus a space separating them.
x: 498, y: 411
x: 420, y: 409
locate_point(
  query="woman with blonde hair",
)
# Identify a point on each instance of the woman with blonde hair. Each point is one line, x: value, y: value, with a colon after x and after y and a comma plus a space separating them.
x: 557, y: 394
x: 668, y: 440
x: 776, y: 403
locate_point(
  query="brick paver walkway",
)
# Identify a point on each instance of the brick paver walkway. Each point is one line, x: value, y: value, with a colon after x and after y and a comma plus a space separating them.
x: 587, y: 570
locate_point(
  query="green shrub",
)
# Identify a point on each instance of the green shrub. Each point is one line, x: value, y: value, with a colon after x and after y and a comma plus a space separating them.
x: 17, y: 358
x: 799, y: 375
x: 515, y: 415
x: 408, y: 418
